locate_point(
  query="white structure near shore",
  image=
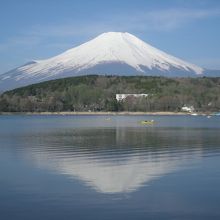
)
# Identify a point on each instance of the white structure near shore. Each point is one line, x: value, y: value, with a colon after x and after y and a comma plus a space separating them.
x: 121, y: 97
x: 189, y: 109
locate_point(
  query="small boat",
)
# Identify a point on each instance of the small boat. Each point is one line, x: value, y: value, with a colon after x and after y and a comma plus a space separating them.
x: 194, y: 114
x: 147, y: 122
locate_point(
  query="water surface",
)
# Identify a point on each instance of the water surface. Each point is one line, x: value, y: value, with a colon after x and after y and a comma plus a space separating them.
x: 98, y: 167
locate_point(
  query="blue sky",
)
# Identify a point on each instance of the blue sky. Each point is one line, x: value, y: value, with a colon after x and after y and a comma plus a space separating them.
x: 30, y: 29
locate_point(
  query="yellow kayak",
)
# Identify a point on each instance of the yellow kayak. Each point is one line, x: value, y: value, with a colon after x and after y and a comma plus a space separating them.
x: 146, y: 122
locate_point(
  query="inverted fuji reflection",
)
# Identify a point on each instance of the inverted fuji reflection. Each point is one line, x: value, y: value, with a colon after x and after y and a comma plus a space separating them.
x: 110, y: 176
x: 119, y: 163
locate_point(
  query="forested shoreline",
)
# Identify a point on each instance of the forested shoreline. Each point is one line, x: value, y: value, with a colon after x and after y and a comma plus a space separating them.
x: 97, y: 93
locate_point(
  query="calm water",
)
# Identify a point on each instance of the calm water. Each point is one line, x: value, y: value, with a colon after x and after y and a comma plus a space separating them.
x: 94, y: 167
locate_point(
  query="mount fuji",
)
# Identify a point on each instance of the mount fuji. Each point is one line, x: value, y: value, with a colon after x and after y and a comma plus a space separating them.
x: 112, y: 53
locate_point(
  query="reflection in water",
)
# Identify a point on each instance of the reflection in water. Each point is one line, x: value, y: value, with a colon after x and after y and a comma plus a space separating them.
x: 110, y: 176
x: 84, y: 167
x: 115, y: 160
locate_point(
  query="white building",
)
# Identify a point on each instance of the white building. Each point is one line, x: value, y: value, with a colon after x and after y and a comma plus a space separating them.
x: 189, y: 109
x: 120, y: 97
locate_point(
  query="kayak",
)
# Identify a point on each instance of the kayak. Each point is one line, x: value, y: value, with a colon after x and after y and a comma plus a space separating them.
x: 146, y: 122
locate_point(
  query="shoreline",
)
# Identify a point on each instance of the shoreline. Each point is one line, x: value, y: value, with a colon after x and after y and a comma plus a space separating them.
x: 100, y: 113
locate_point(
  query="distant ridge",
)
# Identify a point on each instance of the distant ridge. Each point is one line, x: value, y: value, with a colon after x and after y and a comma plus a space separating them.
x: 98, y: 93
x: 112, y: 53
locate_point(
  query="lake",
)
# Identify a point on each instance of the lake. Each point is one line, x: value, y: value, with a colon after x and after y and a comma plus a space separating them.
x: 109, y: 167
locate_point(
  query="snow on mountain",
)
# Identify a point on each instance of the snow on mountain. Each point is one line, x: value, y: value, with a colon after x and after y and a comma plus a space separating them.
x: 110, y: 53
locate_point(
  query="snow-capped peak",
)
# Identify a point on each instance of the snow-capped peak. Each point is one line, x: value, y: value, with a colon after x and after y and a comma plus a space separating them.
x: 120, y: 47
x: 110, y: 53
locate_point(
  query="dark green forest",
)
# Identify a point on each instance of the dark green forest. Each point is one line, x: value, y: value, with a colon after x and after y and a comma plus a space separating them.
x: 97, y: 93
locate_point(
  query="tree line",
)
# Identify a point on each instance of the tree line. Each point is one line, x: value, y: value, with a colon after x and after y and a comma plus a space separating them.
x: 97, y: 93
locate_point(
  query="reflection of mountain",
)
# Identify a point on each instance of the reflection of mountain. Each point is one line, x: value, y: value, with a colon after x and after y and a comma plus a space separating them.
x: 108, y: 164
x: 110, y: 176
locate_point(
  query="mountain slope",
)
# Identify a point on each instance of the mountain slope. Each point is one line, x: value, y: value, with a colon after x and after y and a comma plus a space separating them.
x: 109, y: 53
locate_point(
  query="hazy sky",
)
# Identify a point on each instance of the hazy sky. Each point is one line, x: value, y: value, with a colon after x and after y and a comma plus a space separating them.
x: 38, y: 29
